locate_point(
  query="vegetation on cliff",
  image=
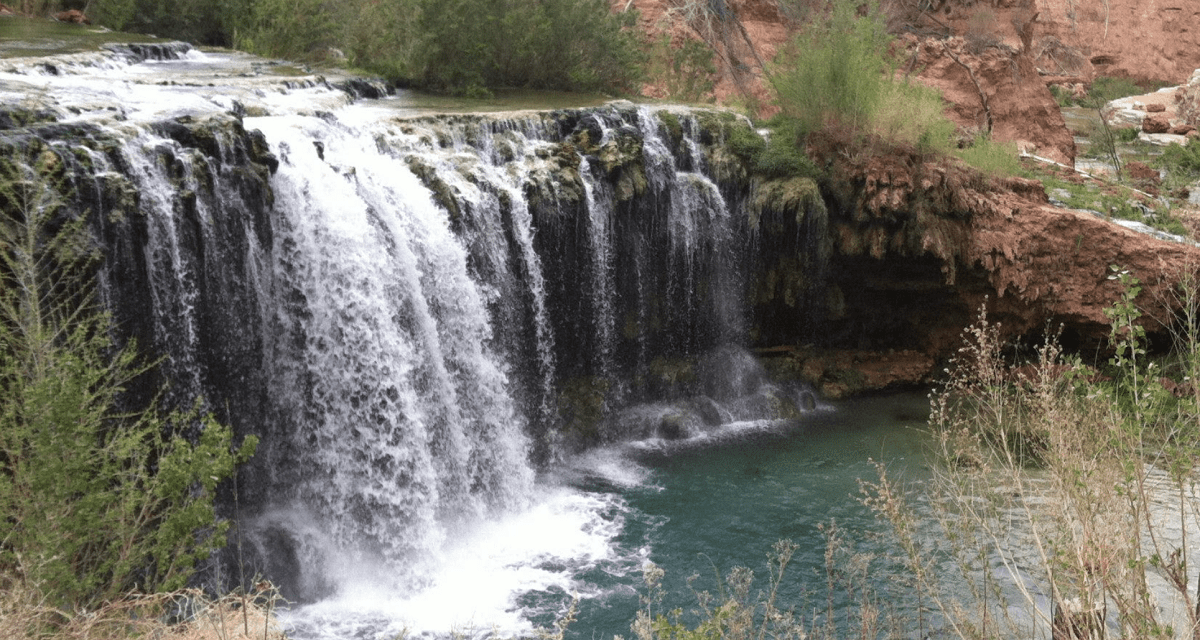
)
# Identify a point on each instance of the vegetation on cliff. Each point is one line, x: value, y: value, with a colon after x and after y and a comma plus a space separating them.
x: 838, y: 76
x: 97, y: 499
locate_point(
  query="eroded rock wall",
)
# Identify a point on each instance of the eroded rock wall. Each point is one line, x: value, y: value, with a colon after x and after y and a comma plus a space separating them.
x: 921, y: 246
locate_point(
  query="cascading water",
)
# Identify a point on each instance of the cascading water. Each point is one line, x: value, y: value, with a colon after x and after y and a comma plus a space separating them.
x: 409, y: 309
x: 403, y: 426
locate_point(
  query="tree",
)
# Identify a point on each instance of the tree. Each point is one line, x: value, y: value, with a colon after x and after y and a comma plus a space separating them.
x: 94, y: 501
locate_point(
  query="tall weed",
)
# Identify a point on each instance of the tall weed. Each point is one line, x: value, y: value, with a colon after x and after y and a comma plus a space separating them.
x: 1067, y: 502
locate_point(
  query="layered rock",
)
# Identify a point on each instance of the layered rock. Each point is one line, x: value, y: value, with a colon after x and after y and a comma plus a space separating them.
x: 920, y: 247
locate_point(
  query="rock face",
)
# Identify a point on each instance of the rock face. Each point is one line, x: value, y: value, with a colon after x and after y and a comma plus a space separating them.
x: 1187, y: 100
x: 744, y: 34
x: 993, y: 86
x: 920, y: 247
x: 1156, y: 41
x: 1149, y: 41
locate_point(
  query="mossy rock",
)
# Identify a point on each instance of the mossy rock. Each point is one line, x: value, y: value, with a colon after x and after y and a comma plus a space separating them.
x: 670, y: 121
x: 786, y: 280
x: 554, y: 180
x: 443, y: 194
x: 795, y: 198
x: 121, y: 195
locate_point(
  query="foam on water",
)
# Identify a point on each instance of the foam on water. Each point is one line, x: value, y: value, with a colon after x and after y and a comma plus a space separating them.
x: 490, y: 581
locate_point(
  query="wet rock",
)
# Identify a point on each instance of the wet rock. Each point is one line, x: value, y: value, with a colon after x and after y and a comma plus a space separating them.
x: 709, y: 411
x: 729, y: 372
x: 673, y: 427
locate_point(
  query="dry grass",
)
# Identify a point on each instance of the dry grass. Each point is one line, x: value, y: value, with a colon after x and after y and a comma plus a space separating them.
x: 1059, y: 501
x: 182, y: 615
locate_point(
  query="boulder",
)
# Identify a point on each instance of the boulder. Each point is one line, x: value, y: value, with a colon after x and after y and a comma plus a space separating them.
x: 1156, y: 123
x: 1182, y: 129
x: 1156, y: 107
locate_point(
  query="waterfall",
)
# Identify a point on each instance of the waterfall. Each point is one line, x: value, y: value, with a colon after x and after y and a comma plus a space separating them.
x: 416, y: 313
x: 404, y: 429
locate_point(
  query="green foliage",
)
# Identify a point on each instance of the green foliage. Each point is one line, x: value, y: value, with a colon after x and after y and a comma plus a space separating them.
x: 1182, y: 161
x: 1126, y: 134
x: 992, y: 157
x: 381, y: 37
x: 94, y: 501
x: 837, y: 73
x: 782, y: 156
x: 114, y: 14
x: 1106, y: 89
x: 292, y: 29
x: 836, y: 70
x: 1062, y: 95
x: 473, y: 45
x: 686, y: 68
x: 911, y: 114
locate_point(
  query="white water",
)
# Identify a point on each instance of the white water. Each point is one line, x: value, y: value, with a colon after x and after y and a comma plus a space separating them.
x: 397, y: 493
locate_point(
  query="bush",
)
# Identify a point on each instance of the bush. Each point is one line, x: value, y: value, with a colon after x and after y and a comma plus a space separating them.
x: 783, y: 156
x: 471, y: 45
x: 911, y: 114
x: 94, y: 501
x: 992, y: 157
x: 1181, y: 161
x: 837, y: 75
x: 836, y: 70
x: 292, y: 29
x: 1106, y: 89
x: 685, y: 69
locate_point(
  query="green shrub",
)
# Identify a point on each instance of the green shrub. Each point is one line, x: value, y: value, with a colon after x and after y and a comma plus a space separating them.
x: 783, y: 155
x: 1126, y: 135
x: 1106, y: 89
x: 556, y: 44
x: 292, y: 29
x: 745, y: 143
x: 1181, y: 161
x: 911, y: 114
x: 837, y: 74
x: 94, y: 501
x: 1062, y: 95
x: 992, y: 157
x: 835, y: 71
